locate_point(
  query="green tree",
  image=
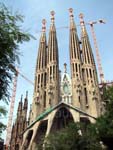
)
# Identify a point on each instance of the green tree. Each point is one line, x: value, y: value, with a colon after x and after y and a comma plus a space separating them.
x: 11, y: 36
x: 104, y: 123
x: 76, y: 136
x: 3, y: 113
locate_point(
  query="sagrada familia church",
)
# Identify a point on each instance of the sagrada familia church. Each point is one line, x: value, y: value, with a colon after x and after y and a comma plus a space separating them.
x: 58, y: 98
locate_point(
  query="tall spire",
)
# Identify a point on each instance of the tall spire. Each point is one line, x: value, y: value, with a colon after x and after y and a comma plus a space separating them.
x: 40, y: 74
x: 52, y: 64
x: 75, y: 63
x: 89, y: 74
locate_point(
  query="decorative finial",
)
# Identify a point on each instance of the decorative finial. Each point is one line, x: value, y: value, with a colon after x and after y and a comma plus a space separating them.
x: 71, y: 12
x: 82, y: 23
x: 21, y: 97
x: 65, y: 67
x: 43, y: 25
x: 72, y: 23
x: 81, y: 16
x: 52, y: 16
x: 26, y: 94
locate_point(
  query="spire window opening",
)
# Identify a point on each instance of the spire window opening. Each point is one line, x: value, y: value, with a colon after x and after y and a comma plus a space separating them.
x: 90, y: 73
x: 54, y: 49
x: 42, y: 62
x: 53, y: 72
x: 72, y: 53
x: 39, y: 60
x: 50, y: 56
x: 47, y: 70
x: 45, y: 58
x: 73, y: 67
x: 74, y: 48
x: 39, y: 79
x: 94, y: 76
x: 86, y: 98
x: 50, y: 73
x: 81, y: 57
x: 79, y: 99
x: 53, y: 55
x: 44, y: 99
x: 78, y: 50
x: 57, y: 72
x: 88, y: 53
x: 83, y: 75
x: 76, y: 67
x: 88, y: 57
x: 92, y: 58
x: 39, y: 64
x: 85, y: 51
x: 50, y: 102
x: 87, y: 72
x: 42, y: 80
x: 45, y: 78
x: 35, y: 82
x: 85, y: 59
x: 50, y: 70
x: 79, y: 71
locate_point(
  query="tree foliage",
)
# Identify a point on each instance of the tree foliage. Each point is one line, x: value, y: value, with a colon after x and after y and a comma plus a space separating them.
x: 105, y: 122
x: 11, y: 36
x: 76, y: 136
x: 3, y: 113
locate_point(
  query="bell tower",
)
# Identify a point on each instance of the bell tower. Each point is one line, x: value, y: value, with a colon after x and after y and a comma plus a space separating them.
x: 90, y: 80
x: 52, y: 66
x: 39, y: 99
x: 75, y: 65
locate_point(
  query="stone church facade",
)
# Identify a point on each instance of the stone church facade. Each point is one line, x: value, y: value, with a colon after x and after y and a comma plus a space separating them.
x: 58, y: 98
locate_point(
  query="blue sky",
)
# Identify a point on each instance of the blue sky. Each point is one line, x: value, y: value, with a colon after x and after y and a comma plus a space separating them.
x: 35, y: 10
